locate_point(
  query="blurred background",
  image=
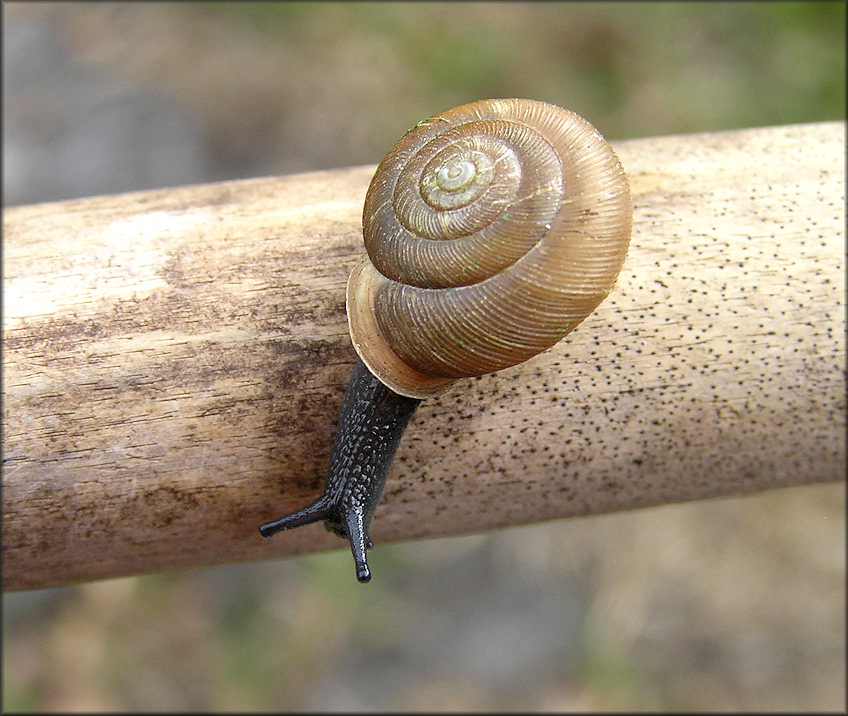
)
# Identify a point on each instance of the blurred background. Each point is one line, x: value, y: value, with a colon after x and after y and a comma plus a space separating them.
x: 733, y: 604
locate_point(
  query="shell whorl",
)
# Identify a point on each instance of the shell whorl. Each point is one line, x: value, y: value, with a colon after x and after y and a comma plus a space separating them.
x: 491, y: 231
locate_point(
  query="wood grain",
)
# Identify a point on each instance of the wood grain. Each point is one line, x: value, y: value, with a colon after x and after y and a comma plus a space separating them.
x: 174, y: 362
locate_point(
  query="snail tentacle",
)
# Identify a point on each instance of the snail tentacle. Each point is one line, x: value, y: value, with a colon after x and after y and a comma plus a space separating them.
x: 315, y: 512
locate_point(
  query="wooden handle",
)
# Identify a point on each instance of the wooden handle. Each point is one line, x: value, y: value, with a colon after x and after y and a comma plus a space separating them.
x: 174, y: 362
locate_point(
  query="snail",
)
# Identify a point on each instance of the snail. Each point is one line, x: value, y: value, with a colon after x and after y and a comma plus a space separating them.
x: 491, y: 230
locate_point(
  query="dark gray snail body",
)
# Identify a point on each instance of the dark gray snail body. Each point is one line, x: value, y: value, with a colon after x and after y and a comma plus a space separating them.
x: 371, y: 423
x: 491, y: 231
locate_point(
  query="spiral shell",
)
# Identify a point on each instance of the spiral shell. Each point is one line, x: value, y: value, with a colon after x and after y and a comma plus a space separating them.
x: 491, y: 231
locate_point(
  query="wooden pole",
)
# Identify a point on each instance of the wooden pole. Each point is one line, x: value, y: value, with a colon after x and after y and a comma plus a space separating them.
x: 174, y: 362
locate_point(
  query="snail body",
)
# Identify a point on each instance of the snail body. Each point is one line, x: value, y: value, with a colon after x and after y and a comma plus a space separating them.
x: 491, y: 231
x: 371, y: 423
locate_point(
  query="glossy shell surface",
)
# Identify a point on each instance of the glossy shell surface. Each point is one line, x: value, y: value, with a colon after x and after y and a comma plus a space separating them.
x: 491, y: 231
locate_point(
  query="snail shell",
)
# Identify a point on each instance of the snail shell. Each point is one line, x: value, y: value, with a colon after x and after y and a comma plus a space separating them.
x: 491, y: 231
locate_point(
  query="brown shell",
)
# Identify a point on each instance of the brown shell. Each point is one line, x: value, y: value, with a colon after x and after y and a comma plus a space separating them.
x: 492, y: 230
